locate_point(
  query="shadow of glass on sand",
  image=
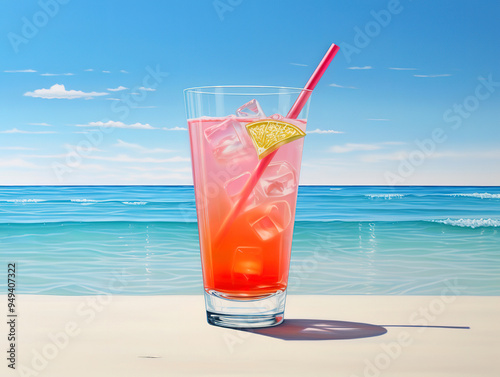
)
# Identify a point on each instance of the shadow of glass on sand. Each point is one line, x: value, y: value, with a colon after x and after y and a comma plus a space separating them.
x: 317, y: 329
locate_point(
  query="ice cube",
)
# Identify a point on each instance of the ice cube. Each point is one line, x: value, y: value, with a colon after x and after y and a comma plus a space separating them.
x: 251, y: 109
x: 279, y: 179
x: 227, y: 140
x: 247, y: 262
x: 277, y: 218
x: 235, y: 185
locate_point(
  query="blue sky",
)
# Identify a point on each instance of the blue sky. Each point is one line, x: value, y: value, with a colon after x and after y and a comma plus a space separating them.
x: 413, y: 96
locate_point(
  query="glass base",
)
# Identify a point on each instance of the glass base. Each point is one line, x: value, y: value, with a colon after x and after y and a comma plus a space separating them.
x: 262, y: 312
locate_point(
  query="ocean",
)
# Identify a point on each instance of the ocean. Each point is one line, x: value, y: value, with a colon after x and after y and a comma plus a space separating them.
x: 357, y: 240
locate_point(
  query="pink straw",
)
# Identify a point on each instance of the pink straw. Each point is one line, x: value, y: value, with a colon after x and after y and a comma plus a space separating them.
x: 261, y: 167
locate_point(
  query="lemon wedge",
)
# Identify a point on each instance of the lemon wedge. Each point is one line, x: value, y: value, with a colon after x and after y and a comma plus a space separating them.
x: 268, y: 135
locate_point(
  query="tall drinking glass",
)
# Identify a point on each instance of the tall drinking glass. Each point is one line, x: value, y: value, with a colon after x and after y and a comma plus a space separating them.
x: 245, y: 266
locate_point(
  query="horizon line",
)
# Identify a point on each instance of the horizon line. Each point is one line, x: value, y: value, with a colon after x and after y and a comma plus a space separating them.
x: 299, y: 185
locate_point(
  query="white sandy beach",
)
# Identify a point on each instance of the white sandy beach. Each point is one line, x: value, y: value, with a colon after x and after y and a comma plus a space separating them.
x: 73, y: 336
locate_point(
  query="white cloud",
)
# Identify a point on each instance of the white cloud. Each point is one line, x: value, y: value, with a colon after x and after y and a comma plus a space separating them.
x: 394, y: 156
x: 394, y: 143
x: 350, y: 147
x: 59, y: 91
x: 342, y: 86
x: 175, y: 129
x: 488, y: 155
x: 123, y: 71
x: 117, y: 158
x: 113, y: 124
x: 318, y: 131
x: 364, y: 67
x: 123, y: 144
x: 112, y: 99
x: 81, y: 148
x: 378, y: 119
x: 21, y: 71
x: 403, y: 69
x: 147, y: 89
x: 92, y: 167
x: 186, y: 169
x: 57, y: 74
x: 41, y: 124
x: 300, y: 65
x: 17, y: 149
x: 88, y: 70
x: 61, y: 155
x: 439, y: 75
x: 16, y: 163
x: 126, y: 158
x: 158, y: 177
x: 106, y: 71
x: 117, y: 89
x: 16, y: 131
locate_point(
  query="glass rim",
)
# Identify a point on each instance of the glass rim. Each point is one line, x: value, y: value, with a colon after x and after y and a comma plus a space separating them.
x: 275, y: 90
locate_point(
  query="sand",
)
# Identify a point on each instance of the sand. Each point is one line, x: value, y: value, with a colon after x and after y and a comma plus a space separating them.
x: 72, y: 336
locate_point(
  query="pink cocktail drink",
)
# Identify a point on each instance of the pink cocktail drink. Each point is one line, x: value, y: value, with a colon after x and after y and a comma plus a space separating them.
x: 246, y: 167
x: 250, y: 261
x: 246, y: 205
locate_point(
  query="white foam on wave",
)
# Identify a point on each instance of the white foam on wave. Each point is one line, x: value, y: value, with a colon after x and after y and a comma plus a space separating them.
x: 484, y: 195
x: 135, y: 203
x: 470, y: 223
x: 385, y: 196
x: 25, y: 200
x: 84, y: 201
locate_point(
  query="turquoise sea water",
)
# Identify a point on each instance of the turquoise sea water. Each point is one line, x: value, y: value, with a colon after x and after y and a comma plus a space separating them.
x: 143, y: 240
